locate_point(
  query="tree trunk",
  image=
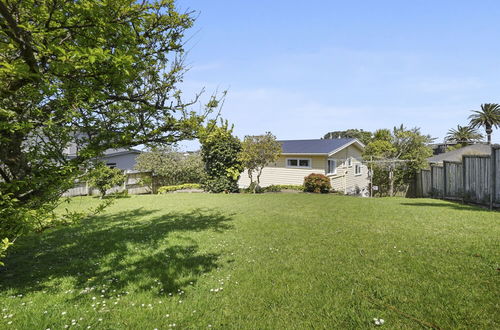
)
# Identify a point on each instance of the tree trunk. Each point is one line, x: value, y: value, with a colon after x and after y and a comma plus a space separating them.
x: 489, y: 130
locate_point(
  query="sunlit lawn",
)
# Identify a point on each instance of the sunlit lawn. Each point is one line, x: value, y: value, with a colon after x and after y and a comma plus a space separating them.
x: 271, y: 261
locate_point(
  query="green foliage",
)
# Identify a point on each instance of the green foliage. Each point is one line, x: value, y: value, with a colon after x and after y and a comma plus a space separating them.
x: 317, y: 183
x: 95, y: 74
x: 171, y: 167
x: 219, y: 151
x: 488, y: 117
x: 395, y: 157
x: 167, y: 189
x: 103, y: 178
x: 354, y: 133
x: 281, y: 187
x: 257, y: 152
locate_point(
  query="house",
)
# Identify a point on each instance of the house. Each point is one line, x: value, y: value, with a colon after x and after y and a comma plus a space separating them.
x: 124, y: 159
x: 339, y: 159
x: 456, y: 155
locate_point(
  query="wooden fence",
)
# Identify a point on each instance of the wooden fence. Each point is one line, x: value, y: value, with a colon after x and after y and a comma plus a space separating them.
x: 475, y: 179
x: 134, y: 184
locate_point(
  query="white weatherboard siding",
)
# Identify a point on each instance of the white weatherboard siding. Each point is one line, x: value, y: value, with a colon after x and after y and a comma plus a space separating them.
x: 344, y: 180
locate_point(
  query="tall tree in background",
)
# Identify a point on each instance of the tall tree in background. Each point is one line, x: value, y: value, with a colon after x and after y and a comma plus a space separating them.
x: 463, y: 135
x: 354, y: 133
x: 100, y: 74
x: 256, y: 153
x: 488, y: 117
x: 396, y: 156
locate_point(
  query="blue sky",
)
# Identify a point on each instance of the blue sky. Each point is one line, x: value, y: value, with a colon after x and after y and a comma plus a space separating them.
x: 302, y: 68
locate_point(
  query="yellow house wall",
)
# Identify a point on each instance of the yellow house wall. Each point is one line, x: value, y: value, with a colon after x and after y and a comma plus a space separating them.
x: 344, y: 180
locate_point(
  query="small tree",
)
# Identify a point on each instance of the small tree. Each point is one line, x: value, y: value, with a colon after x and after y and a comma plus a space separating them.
x: 256, y: 153
x: 219, y: 151
x: 103, y: 178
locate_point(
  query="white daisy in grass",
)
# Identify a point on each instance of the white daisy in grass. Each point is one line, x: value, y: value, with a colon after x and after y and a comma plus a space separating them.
x: 63, y: 313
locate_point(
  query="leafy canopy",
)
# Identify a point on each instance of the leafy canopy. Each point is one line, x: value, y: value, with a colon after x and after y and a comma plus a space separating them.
x: 257, y: 152
x: 171, y: 167
x: 99, y: 74
x: 104, y: 178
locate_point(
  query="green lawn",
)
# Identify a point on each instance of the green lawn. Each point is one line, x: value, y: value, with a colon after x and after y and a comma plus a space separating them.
x: 271, y: 261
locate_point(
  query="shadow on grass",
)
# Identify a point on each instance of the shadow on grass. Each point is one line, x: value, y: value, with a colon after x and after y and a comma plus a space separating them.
x: 447, y: 204
x: 124, y: 249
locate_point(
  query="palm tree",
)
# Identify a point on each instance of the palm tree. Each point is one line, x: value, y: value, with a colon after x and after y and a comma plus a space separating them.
x: 488, y: 117
x: 463, y: 134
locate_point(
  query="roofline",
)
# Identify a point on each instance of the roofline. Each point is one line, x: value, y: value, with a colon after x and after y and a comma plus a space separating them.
x: 346, y: 145
x: 305, y: 153
x: 120, y: 153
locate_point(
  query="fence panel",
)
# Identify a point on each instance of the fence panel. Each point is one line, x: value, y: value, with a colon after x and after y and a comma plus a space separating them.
x: 496, y: 174
x: 79, y: 189
x: 134, y: 184
x: 453, y: 175
x: 437, y: 175
x: 477, y: 179
x: 426, y: 183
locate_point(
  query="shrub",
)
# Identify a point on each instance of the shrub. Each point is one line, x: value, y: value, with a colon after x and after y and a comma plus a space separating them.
x: 219, y: 151
x: 281, y: 187
x: 171, y: 167
x: 167, y: 189
x: 104, y: 178
x: 317, y: 183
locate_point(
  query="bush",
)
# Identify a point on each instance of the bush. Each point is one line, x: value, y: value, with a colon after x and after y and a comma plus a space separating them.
x: 317, y: 183
x: 219, y: 151
x: 171, y: 167
x: 281, y: 187
x: 167, y: 189
x: 103, y: 178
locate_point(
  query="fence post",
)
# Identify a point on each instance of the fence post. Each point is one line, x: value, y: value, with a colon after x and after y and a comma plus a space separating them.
x: 463, y: 179
x: 493, y: 174
x: 444, y: 179
x: 432, y: 181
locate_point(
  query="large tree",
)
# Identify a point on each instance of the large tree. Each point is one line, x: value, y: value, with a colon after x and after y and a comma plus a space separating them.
x: 395, y: 156
x: 99, y: 74
x: 488, y: 117
x: 363, y: 136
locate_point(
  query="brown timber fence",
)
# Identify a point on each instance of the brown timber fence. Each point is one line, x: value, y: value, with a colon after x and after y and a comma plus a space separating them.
x: 475, y: 179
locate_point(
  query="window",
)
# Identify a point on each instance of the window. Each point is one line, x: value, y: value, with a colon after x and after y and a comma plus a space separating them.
x: 111, y: 165
x: 357, y: 169
x: 349, y: 161
x: 298, y: 162
x: 332, y: 166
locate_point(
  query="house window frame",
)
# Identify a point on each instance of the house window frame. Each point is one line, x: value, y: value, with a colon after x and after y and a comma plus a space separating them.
x: 334, y: 167
x: 309, y: 160
x: 349, y: 161
x: 356, y: 166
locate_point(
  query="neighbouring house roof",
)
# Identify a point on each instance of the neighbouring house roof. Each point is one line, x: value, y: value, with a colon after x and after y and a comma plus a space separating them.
x: 456, y: 155
x: 320, y: 146
x: 115, y: 152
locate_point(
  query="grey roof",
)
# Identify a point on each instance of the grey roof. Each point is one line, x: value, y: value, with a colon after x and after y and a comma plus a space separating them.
x: 456, y: 155
x: 119, y: 151
x: 320, y: 146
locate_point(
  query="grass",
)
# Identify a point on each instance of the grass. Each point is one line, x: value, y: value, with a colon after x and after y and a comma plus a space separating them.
x: 258, y: 261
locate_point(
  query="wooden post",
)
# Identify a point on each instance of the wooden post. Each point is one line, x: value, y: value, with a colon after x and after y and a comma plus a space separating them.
x: 493, y: 173
x: 444, y: 179
x: 432, y: 181
x: 464, y: 185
